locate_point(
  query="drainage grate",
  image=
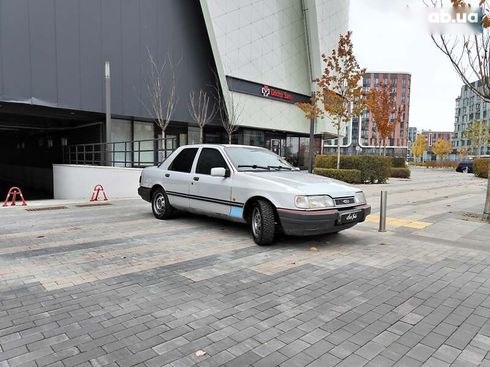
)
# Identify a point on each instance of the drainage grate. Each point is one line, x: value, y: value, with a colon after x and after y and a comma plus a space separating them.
x: 46, y: 208
x: 91, y: 205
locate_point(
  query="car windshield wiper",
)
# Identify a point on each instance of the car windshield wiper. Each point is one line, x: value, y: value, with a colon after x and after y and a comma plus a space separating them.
x: 254, y: 166
x: 281, y: 167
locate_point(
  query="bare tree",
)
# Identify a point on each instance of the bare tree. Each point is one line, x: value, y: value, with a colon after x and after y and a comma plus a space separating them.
x: 230, y: 112
x: 200, y: 111
x: 470, y: 56
x: 161, y: 91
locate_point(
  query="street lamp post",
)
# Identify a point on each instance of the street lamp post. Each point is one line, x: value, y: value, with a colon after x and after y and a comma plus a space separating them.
x: 108, y: 122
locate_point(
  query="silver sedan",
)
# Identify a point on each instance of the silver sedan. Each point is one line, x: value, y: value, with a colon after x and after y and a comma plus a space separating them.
x: 251, y: 185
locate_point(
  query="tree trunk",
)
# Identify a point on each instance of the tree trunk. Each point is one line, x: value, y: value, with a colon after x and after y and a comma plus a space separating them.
x: 165, y: 147
x: 486, y: 210
x: 229, y: 138
x: 201, y: 135
x: 479, y: 139
x: 338, y: 147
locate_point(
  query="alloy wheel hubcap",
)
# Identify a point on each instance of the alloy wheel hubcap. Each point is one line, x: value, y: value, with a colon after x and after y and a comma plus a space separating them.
x: 159, y: 203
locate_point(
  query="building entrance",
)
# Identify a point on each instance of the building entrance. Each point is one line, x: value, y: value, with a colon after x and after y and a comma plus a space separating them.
x: 276, y: 146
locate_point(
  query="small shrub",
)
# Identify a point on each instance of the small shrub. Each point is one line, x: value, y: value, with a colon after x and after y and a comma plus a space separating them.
x: 480, y: 167
x: 347, y: 175
x: 326, y: 161
x: 439, y: 164
x: 398, y: 162
x: 374, y: 169
x: 400, y: 172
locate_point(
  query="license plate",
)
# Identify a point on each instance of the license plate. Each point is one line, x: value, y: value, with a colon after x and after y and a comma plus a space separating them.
x: 350, y: 217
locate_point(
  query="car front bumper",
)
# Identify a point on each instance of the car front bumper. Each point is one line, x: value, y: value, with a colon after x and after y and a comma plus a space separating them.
x: 306, y: 223
x: 145, y: 193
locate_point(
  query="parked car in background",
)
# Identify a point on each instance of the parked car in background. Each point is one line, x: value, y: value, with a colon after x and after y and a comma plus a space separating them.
x: 251, y: 185
x: 465, y: 166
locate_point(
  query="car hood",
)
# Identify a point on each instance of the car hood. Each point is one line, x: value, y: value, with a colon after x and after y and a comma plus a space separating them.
x: 307, y: 183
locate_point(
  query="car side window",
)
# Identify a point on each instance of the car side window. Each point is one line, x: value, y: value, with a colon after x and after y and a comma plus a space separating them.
x: 183, y: 161
x: 210, y: 158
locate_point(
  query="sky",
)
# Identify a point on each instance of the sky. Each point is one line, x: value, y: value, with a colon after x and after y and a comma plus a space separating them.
x: 387, y: 40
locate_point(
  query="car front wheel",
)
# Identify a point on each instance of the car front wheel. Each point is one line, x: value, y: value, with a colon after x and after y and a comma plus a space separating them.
x: 160, y: 205
x: 262, y: 222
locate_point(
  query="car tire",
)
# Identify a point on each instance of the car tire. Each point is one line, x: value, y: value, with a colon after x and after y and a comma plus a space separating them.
x: 160, y: 205
x: 263, y: 223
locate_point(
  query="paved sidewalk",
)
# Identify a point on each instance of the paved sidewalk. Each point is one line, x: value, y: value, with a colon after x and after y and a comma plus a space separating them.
x: 112, y: 286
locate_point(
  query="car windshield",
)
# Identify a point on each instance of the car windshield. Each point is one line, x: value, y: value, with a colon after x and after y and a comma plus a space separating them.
x: 252, y: 159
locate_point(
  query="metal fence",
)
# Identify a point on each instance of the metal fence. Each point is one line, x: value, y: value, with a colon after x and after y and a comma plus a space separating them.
x: 136, y: 153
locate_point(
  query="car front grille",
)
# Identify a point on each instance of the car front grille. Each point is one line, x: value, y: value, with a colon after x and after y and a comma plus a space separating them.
x: 344, y: 201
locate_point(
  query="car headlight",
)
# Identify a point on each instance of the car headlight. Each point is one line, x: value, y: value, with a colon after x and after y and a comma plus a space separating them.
x: 359, y: 198
x: 314, y: 202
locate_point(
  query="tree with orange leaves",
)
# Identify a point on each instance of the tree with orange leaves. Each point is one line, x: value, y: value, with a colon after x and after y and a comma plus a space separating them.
x: 442, y: 148
x: 381, y: 103
x: 419, y: 146
x: 339, y: 92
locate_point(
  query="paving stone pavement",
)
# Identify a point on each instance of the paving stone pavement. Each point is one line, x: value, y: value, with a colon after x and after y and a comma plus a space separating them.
x: 112, y: 286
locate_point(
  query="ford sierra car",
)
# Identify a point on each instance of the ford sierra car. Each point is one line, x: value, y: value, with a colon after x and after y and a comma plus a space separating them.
x: 251, y: 185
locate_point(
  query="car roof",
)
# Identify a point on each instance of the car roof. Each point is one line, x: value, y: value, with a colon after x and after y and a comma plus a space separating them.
x: 219, y: 145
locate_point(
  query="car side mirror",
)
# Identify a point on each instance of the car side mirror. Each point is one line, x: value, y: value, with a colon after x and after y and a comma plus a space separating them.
x: 218, y: 172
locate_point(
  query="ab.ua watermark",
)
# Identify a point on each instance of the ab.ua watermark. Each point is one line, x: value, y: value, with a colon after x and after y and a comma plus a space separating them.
x: 452, y: 16
x: 451, y: 20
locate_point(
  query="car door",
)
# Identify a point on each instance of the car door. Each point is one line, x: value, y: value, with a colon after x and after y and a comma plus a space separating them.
x: 177, y: 178
x: 208, y: 194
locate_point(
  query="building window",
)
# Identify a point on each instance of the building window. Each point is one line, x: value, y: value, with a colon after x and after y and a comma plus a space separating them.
x: 143, y: 154
x: 254, y: 138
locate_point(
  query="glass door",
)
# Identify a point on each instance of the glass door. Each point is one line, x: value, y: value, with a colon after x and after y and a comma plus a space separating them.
x: 276, y: 146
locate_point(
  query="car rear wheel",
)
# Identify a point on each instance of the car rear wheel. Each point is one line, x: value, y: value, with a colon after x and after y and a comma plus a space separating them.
x: 262, y: 223
x: 160, y: 205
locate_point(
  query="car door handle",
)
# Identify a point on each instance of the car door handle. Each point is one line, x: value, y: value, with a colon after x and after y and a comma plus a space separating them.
x: 196, y: 178
x: 167, y: 174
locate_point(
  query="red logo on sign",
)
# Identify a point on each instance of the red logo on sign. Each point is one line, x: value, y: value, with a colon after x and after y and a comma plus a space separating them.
x: 271, y: 92
x: 266, y: 91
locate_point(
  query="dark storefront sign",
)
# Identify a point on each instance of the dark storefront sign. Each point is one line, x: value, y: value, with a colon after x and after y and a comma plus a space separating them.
x: 264, y: 91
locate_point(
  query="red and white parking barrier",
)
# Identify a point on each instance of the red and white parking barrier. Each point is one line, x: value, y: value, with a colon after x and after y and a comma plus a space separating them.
x: 14, y: 191
x: 95, y: 194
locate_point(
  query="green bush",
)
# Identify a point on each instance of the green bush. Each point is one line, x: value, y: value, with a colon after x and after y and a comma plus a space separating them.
x: 326, y: 161
x: 398, y: 162
x: 374, y: 169
x: 400, y: 172
x: 438, y: 164
x: 347, y: 175
x: 480, y: 167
